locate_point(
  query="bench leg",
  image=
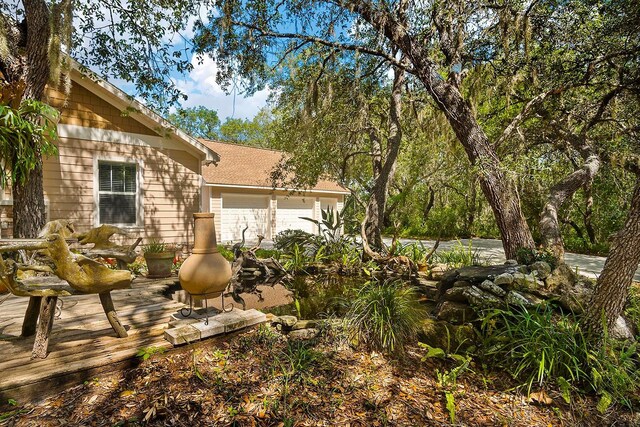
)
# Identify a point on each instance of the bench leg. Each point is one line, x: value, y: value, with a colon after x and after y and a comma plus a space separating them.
x: 31, y: 316
x: 112, y: 316
x: 47, y: 312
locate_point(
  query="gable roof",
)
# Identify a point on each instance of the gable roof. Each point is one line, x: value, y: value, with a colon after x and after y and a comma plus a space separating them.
x: 244, y: 166
x: 140, y: 112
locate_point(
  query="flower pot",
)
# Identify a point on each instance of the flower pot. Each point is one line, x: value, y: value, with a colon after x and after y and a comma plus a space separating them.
x: 159, y: 264
x: 205, y: 271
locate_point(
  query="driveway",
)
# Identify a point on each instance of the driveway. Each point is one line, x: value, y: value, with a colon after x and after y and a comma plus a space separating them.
x: 491, y: 251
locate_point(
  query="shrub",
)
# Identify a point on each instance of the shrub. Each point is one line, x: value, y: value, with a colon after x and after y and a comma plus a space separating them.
x: 632, y: 310
x: 458, y: 256
x: 286, y: 240
x: 529, y: 256
x: 385, y: 315
x: 157, y: 247
x: 544, y: 348
x: 226, y: 253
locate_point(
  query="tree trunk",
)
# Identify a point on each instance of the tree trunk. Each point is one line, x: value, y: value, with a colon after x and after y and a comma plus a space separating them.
x: 29, y: 214
x: 612, y: 288
x: 499, y: 189
x: 374, y: 221
x: 430, y: 202
x: 588, y: 213
x: 558, y: 195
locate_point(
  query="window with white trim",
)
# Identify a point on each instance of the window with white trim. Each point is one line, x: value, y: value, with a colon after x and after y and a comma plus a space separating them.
x: 118, y: 193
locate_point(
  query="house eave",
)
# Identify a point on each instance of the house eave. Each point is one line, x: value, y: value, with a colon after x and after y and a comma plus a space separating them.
x: 259, y: 187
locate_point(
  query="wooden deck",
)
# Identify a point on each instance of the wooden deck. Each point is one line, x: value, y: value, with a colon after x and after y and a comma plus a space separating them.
x: 82, y: 344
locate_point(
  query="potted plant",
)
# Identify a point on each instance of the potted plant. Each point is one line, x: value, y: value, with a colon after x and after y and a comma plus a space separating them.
x: 159, y: 257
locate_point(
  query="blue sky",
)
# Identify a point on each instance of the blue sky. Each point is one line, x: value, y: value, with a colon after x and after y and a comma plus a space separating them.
x: 201, y: 88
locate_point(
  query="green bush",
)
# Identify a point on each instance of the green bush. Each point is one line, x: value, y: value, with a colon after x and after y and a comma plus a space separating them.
x: 632, y: 310
x: 286, y: 240
x: 545, y: 348
x: 529, y: 256
x: 385, y: 316
x: 226, y: 253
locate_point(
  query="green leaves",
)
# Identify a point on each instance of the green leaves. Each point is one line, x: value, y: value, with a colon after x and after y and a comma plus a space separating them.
x: 26, y: 134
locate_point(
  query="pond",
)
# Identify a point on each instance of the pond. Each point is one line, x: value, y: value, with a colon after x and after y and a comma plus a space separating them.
x: 307, y: 297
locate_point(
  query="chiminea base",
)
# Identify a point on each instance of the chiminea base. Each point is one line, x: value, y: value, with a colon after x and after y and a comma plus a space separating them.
x: 188, y: 312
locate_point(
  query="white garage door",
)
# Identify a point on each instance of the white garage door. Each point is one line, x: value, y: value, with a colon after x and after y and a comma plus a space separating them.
x: 239, y: 211
x: 289, y: 212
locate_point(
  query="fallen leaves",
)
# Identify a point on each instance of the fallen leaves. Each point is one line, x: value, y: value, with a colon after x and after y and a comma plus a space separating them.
x: 251, y: 382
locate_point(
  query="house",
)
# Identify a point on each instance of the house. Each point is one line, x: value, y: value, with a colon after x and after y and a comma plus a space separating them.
x: 121, y: 163
x: 241, y: 194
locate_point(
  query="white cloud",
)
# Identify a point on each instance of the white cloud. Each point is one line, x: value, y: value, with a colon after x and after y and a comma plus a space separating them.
x: 201, y: 88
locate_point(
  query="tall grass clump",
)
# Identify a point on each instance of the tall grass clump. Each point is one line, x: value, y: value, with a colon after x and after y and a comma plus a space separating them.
x: 543, y: 348
x: 458, y: 256
x: 385, y: 316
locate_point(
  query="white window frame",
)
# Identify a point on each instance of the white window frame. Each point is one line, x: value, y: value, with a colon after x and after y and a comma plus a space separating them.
x: 139, y: 189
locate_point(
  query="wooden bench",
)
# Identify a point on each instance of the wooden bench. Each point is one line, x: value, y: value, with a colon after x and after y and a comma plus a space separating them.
x: 79, y: 275
x: 43, y: 293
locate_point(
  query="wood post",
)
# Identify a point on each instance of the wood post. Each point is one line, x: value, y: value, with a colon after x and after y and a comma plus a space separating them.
x: 110, y: 311
x: 47, y: 312
x: 31, y: 316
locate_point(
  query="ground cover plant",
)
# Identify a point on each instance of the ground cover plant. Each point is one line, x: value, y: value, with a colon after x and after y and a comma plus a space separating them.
x: 543, y: 348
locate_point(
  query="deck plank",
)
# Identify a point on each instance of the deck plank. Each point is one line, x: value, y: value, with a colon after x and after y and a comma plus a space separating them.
x: 82, y: 341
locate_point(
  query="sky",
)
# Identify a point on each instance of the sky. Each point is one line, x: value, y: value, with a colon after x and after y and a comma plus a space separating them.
x: 201, y: 88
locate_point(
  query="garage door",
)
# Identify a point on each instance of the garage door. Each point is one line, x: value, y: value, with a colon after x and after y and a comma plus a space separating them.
x: 289, y: 212
x: 239, y: 211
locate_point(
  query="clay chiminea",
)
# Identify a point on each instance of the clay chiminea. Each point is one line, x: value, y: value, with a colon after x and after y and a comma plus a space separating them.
x: 205, y: 271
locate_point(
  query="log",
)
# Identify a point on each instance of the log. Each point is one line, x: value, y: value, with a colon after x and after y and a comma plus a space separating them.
x: 47, y: 312
x: 112, y: 316
x: 31, y: 316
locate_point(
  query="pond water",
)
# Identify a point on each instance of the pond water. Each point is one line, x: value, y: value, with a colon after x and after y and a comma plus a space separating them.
x: 307, y: 297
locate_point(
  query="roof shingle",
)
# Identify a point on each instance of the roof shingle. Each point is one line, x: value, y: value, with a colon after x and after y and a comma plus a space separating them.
x: 249, y: 166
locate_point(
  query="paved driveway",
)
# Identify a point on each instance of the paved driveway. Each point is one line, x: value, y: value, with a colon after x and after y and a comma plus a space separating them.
x: 491, y: 250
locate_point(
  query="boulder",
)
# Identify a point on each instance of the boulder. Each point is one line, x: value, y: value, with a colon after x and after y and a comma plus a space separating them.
x: 455, y: 312
x: 560, y: 277
x: 478, y: 274
x: 438, y: 271
x: 286, y: 322
x: 541, y: 269
x: 525, y: 282
x: 305, y: 324
x: 622, y: 330
x: 511, y: 262
x: 444, y: 335
x: 482, y: 299
x: 303, y: 334
x: 455, y: 295
x: 461, y: 284
x: 489, y: 286
x: 525, y: 300
x: 504, y: 279
x: 576, y: 297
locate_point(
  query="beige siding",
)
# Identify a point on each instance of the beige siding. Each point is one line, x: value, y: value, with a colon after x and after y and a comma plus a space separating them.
x: 83, y: 108
x: 170, y: 191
